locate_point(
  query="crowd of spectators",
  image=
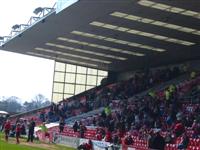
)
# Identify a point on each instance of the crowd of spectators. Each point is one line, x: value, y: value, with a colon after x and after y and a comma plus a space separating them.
x: 19, y: 128
x: 159, y: 118
x: 157, y: 110
x: 101, y: 97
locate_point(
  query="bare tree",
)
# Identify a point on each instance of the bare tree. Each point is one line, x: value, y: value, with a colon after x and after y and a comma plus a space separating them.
x: 10, y: 104
x: 37, y: 102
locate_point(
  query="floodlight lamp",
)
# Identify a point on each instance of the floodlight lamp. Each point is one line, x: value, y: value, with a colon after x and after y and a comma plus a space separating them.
x: 38, y: 10
x: 15, y: 27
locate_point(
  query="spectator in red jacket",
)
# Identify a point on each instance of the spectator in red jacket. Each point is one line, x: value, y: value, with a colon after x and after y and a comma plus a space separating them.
x: 99, y: 135
x: 108, y: 137
x: 179, y: 129
x: 7, y: 128
x: 86, y: 146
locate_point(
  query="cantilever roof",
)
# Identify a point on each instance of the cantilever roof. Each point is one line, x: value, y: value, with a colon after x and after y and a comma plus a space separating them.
x: 116, y: 35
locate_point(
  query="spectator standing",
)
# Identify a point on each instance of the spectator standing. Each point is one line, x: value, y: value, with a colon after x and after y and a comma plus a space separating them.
x: 108, y: 136
x: 7, y: 128
x: 61, y: 124
x: 44, y: 130
x: 18, y: 130
x: 23, y: 128
x: 107, y: 110
x: 75, y: 126
x: 82, y: 130
x: 31, y: 128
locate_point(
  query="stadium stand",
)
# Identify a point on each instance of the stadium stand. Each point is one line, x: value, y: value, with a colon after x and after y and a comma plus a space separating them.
x: 120, y: 116
x: 101, y: 96
x: 173, y: 117
x: 142, y: 105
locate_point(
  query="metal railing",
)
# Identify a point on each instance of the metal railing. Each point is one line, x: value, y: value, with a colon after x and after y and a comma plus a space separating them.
x: 18, y: 29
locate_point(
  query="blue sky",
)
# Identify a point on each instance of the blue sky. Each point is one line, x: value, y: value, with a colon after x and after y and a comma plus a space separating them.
x: 21, y: 75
